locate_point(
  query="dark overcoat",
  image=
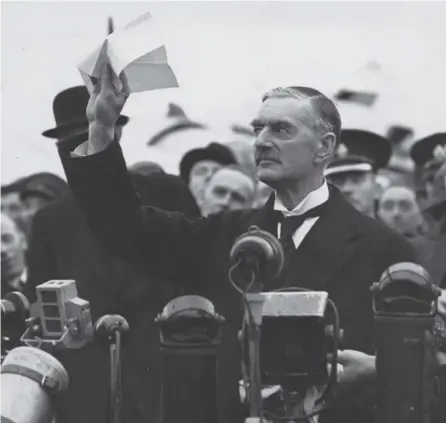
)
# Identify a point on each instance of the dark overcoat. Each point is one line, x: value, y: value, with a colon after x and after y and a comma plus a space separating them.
x: 344, y: 253
x: 63, y: 247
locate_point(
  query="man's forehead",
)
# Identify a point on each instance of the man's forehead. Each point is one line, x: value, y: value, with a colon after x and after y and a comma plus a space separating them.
x: 399, y: 193
x: 286, y: 109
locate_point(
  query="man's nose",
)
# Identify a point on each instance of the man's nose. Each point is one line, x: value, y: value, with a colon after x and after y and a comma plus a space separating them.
x: 262, y: 140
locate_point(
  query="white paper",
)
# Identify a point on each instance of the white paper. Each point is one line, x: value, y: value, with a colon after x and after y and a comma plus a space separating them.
x: 137, y: 51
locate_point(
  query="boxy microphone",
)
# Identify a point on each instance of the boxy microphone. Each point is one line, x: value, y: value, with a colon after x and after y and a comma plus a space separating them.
x: 59, y: 318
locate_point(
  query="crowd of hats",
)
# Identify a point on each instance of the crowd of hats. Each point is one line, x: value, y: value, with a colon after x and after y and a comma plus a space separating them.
x: 357, y: 150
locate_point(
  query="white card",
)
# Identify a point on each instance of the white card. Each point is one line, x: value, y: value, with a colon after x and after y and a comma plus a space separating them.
x: 136, y: 50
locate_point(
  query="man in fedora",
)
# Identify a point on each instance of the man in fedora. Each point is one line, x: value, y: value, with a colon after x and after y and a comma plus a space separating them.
x: 63, y: 247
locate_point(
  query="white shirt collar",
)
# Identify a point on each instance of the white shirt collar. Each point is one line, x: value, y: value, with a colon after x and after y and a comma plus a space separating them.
x: 312, y: 200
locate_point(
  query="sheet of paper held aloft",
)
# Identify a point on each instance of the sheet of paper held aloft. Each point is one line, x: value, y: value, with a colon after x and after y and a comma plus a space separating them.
x: 138, y: 51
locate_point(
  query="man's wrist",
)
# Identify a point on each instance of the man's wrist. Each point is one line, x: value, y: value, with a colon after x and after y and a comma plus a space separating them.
x: 100, y: 136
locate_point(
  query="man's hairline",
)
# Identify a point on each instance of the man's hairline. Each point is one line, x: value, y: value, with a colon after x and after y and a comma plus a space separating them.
x: 311, y: 109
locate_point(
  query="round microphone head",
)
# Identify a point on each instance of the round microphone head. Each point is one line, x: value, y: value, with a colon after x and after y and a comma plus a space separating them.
x: 406, y: 287
x: 258, y: 251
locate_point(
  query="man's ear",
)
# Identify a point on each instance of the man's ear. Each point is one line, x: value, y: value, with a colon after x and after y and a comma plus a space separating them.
x: 326, y: 148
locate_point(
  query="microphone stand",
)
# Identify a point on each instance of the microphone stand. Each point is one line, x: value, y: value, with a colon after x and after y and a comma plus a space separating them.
x: 253, y: 320
x: 111, y: 328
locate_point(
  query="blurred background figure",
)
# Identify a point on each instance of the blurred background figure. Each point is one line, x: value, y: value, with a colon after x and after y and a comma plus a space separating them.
x: 398, y: 209
x: 432, y: 247
x: 40, y: 190
x: 230, y: 188
x: 11, y: 203
x: 428, y: 155
x: 198, y: 165
x: 360, y: 154
x: 13, y: 256
x: 147, y: 168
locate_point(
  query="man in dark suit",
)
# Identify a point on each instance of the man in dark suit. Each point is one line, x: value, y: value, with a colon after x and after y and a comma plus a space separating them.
x: 62, y: 246
x: 335, y: 248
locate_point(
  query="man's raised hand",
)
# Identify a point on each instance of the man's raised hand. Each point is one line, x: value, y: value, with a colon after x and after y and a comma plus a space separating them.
x: 105, y: 105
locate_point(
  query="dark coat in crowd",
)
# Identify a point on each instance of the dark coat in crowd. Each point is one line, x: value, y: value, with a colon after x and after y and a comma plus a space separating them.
x: 431, y: 250
x: 63, y: 247
x: 344, y: 254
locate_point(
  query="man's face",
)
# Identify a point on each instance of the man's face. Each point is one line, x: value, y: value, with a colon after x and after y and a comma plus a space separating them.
x: 12, y: 205
x: 399, y: 210
x: 200, y: 175
x: 358, y: 187
x: 13, y: 249
x: 228, y: 189
x: 285, y: 147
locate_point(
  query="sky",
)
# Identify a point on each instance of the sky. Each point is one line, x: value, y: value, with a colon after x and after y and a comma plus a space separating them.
x: 225, y: 55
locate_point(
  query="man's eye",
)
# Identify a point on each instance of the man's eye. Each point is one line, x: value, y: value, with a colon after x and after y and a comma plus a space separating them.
x: 257, y: 129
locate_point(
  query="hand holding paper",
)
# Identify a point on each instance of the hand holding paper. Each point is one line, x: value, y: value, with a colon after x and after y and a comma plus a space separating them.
x: 135, y: 52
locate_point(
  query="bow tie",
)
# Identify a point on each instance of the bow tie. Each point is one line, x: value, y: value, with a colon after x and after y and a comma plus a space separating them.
x: 290, y: 224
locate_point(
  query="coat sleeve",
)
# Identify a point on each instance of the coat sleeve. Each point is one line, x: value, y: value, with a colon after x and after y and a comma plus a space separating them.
x: 166, y: 243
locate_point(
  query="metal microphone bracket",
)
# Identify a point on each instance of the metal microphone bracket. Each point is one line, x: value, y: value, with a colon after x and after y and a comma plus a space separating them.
x: 107, y: 326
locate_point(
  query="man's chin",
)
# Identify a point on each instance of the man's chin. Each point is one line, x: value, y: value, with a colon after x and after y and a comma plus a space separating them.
x: 267, y: 176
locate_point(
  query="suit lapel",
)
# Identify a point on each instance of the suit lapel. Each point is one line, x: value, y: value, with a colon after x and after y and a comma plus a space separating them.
x: 327, y: 247
x: 264, y: 217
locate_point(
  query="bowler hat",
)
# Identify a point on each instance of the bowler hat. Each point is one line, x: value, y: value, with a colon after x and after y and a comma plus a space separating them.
x: 360, y: 151
x: 214, y: 151
x: 69, y: 108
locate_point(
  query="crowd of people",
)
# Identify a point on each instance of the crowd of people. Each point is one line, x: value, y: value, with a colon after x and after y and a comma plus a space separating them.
x: 50, y: 231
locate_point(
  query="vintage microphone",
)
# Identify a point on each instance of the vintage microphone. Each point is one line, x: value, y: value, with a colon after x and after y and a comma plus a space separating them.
x: 110, y: 329
x: 190, y: 333
x: 257, y: 257
x: 405, y: 306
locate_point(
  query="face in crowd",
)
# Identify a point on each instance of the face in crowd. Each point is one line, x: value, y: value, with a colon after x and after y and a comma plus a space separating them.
x: 359, y: 188
x: 399, y: 210
x: 199, y: 176
x: 12, y: 205
x: 13, y: 249
x: 228, y: 189
x: 293, y: 144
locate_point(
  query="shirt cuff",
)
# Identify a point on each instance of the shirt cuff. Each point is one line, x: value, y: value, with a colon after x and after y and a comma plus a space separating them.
x: 86, y: 149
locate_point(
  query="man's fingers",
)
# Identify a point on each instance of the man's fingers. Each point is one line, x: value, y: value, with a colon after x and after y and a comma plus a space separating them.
x: 125, y: 84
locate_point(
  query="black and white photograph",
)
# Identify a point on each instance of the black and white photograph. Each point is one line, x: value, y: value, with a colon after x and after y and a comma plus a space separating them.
x: 223, y: 211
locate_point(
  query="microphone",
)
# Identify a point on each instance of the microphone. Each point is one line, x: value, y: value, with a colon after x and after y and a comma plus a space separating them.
x: 107, y: 326
x: 110, y: 329
x: 257, y: 254
x: 15, y: 304
x: 405, y: 306
x: 59, y: 318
